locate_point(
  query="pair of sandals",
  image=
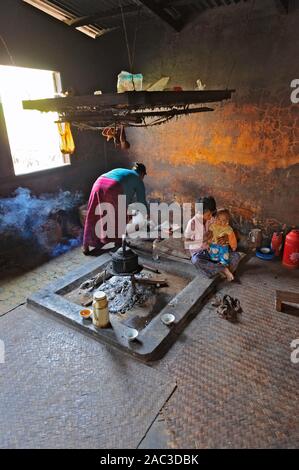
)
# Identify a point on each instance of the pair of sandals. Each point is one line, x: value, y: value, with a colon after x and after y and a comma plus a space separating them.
x: 228, y: 307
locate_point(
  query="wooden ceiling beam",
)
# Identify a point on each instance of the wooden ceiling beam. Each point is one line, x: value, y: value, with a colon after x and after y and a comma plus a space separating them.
x: 176, y: 23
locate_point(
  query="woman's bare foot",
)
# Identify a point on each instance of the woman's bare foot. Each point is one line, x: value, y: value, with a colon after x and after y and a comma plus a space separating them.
x: 85, y: 250
x: 97, y: 251
x: 229, y: 275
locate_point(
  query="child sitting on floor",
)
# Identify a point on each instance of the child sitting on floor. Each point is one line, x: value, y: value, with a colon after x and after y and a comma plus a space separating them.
x: 219, y: 228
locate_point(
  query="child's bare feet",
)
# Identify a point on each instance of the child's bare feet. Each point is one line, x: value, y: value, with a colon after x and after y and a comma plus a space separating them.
x: 229, y: 275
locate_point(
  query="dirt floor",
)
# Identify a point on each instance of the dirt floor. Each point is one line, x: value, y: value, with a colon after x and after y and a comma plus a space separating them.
x: 220, y: 385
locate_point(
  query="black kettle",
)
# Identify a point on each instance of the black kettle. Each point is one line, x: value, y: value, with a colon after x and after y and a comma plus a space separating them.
x: 124, y: 260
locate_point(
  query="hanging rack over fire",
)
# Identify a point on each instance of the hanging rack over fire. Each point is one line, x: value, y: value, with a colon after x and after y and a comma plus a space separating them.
x: 130, y: 109
x: 136, y: 109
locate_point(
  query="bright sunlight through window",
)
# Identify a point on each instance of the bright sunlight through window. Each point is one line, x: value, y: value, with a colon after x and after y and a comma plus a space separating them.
x: 33, y: 136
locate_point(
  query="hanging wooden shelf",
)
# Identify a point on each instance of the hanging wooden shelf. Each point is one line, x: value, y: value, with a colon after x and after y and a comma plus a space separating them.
x: 128, y: 108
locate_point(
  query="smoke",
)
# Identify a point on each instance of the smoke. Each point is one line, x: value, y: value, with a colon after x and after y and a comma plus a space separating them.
x: 64, y: 247
x: 25, y: 217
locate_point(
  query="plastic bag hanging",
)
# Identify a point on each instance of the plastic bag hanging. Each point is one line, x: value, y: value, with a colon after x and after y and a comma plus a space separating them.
x: 129, y: 82
x: 67, y: 145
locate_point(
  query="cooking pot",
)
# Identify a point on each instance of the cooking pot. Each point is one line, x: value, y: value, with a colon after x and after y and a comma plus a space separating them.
x: 125, y: 261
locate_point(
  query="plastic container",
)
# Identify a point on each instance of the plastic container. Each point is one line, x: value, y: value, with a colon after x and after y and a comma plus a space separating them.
x: 129, y: 82
x: 276, y: 242
x: 138, y: 79
x: 290, y: 257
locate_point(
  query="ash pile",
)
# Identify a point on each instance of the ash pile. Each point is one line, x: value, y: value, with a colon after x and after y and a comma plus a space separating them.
x: 123, y: 294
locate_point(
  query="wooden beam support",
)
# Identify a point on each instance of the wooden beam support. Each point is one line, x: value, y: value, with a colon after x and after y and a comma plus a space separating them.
x: 177, y: 24
x: 129, y: 100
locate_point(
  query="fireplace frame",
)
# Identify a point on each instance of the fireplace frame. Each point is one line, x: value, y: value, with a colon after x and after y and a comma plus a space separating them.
x: 156, y: 338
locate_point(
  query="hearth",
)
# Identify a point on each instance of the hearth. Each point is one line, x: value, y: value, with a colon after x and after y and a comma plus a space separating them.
x: 182, y: 295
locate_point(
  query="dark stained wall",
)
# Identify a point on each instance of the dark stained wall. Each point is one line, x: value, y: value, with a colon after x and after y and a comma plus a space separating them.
x: 245, y: 153
x: 39, y: 41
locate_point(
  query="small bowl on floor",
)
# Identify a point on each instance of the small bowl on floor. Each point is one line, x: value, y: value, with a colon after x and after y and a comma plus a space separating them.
x: 265, y: 254
x: 131, y: 334
x: 85, y: 313
x: 167, y: 318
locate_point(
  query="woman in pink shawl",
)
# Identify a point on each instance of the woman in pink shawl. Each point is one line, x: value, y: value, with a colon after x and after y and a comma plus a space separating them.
x: 103, y: 226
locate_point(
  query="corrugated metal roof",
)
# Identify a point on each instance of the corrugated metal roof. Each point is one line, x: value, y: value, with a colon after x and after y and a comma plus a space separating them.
x: 107, y: 14
x: 89, y: 7
x: 108, y: 9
